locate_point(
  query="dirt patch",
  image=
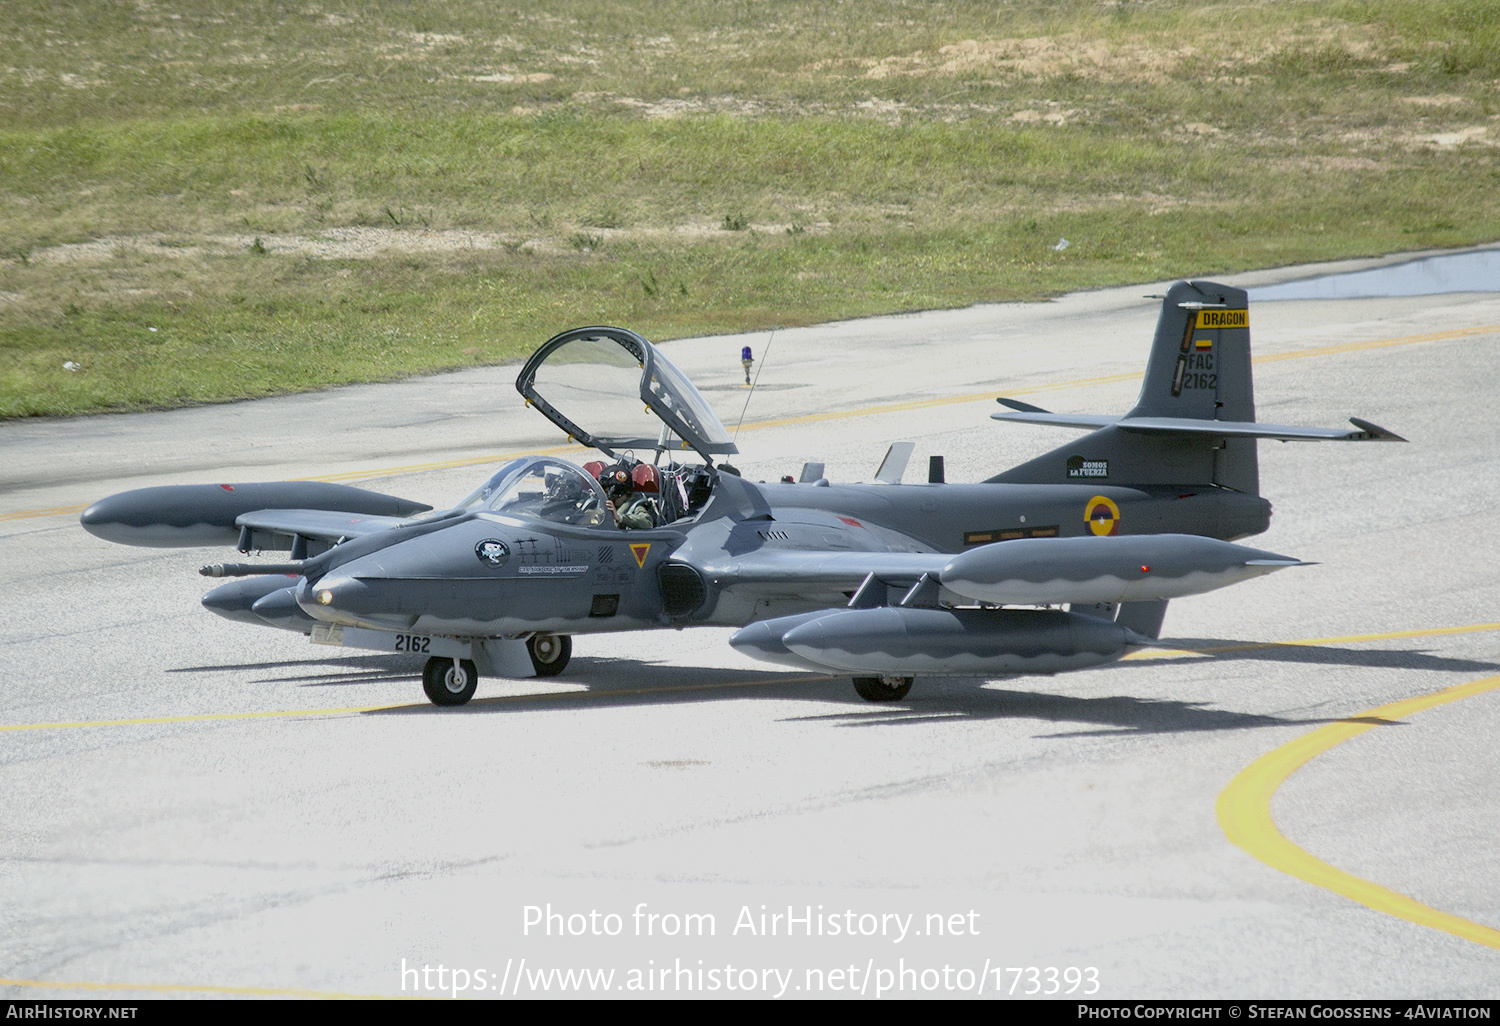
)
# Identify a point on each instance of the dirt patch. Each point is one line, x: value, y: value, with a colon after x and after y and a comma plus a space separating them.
x: 680, y: 107
x: 1133, y: 59
x: 1479, y: 134
x: 536, y: 76
x: 430, y: 39
x: 1441, y: 100
x: 368, y: 243
x: 332, y: 244
x: 1049, y: 117
x: 1041, y: 57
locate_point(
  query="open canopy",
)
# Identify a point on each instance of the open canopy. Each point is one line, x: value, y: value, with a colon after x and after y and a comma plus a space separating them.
x: 611, y: 389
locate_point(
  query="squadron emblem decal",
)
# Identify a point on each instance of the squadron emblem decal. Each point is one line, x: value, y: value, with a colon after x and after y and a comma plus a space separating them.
x: 1103, y: 516
x: 492, y: 552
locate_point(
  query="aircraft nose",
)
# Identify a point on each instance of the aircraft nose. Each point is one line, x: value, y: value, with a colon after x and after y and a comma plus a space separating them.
x: 352, y: 602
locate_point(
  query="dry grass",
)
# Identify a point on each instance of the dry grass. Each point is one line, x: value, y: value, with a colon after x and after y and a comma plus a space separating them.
x: 295, y: 194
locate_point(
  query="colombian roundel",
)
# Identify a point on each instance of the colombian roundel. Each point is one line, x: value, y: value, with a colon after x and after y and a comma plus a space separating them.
x: 1103, y: 516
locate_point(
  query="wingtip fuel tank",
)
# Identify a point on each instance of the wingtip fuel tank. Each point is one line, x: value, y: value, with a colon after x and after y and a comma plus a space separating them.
x: 173, y: 516
x: 1129, y: 568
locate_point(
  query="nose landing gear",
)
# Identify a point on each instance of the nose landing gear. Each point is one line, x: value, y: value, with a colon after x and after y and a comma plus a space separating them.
x: 449, y: 681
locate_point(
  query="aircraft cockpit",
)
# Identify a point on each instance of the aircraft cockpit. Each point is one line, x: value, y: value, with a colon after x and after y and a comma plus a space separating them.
x: 611, y: 389
x: 626, y: 493
x: 542, y: 488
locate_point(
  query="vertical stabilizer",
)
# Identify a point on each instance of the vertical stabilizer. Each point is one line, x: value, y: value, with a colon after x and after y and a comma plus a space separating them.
x: 1199, y: 369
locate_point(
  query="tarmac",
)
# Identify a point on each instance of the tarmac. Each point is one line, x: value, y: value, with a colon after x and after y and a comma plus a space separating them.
x: 196, y: 807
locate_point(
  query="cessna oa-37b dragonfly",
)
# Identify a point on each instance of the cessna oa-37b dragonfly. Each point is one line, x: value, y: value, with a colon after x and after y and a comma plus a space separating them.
x: 879, y: 581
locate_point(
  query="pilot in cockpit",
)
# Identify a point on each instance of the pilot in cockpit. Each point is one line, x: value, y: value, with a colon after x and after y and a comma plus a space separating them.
x: 622, y: 481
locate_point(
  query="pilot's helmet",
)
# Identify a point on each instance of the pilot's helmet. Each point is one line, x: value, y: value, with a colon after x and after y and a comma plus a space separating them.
x: 616, y: 480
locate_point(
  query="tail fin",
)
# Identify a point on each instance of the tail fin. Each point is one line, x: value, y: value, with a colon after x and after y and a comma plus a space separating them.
x: 1199, y: 369
x: 1194, y: 423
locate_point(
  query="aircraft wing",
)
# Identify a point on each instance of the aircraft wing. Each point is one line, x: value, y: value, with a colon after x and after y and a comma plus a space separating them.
x: 792, y: 570
x: 1024, y: 571
x: 324, y: 525
x: 918, y: 635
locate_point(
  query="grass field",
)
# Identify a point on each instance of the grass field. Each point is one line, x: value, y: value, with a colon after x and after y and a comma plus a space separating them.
x: 202, y: 201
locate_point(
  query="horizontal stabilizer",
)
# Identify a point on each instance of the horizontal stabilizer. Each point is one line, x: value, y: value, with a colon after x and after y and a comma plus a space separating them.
x: 1016, y: 404
x: 1087, y: 421
x: 1366, y: 431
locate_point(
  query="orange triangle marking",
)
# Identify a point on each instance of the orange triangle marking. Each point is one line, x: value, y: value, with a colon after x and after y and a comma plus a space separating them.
x: 639, y: 551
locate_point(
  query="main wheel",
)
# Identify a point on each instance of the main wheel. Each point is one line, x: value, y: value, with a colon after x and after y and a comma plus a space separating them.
x: 448, y: 682
x: 549, y: 653
x: 883, y: 689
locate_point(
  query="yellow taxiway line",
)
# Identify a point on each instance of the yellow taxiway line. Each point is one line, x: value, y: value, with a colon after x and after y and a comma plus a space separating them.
x: 1244, y: 810
x: 866, y: 411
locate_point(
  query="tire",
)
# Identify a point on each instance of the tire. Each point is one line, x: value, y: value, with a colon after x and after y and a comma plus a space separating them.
x: 447, y: 684
x: 883, y: 689
x: 549, y: 653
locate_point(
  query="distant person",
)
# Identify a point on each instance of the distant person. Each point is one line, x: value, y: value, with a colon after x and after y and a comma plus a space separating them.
x: 746, y: 359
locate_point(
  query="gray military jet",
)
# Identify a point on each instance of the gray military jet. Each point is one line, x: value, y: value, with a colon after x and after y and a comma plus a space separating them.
x: 1064, y: 562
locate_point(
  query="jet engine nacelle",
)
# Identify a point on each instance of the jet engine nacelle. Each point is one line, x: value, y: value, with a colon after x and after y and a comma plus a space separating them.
x: 907, y: 641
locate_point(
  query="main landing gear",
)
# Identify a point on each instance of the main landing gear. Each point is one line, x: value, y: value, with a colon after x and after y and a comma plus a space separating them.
x: 883, y: 689
x: 450, y: 681
x: 549, y: 653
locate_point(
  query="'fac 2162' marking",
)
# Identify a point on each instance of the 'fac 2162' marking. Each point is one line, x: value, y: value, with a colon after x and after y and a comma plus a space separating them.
x: 412, y: 643
x: 1196, y: 370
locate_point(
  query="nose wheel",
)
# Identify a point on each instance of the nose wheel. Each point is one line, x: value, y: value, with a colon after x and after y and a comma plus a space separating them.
x: 549, y: 653
x: 449, y: 681
x: 883, y: 689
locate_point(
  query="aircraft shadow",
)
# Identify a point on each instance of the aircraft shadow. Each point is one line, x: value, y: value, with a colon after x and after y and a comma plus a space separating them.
x: 933, y: 699
x: 1221, y: 649
x: 615, y: 681
x: 958, y: 698
x: 361, y: 669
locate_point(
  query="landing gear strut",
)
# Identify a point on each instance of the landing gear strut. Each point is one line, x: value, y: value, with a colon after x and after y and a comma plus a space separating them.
x: 449, y: 681
x: 549, y: 653
x: 883, y: 689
